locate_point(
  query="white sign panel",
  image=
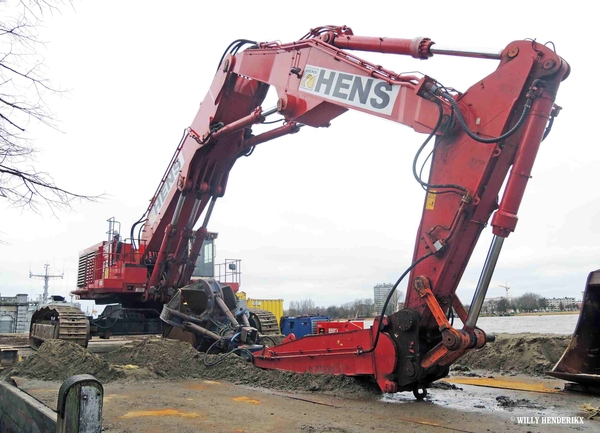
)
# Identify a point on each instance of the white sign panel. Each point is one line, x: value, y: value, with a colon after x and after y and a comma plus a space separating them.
x: 362, y: 92
x: 171, y: 179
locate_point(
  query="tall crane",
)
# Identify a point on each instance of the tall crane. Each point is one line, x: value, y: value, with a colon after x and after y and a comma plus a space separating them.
x: 46, y: 277
x: 506, y: 288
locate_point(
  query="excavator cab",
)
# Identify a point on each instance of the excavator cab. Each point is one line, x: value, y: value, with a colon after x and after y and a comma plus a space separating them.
x: 205, y: 263
x: 229, y: 272
x: 581, y: 361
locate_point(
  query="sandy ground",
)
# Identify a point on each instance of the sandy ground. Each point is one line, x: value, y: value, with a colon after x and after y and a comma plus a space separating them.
x: 162, y: 386
x: 214, y: 406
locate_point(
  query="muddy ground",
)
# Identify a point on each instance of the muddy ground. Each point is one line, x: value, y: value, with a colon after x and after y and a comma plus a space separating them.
x: 155, y: 385
x: 200, y: 405
x: 14, y: 339
x: 153, y: 358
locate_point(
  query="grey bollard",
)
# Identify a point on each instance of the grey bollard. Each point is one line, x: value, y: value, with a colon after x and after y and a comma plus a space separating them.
x: 80, y: 405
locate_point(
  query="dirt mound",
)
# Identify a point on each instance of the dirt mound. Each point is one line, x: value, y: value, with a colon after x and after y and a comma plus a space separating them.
x: 173, y: 359
x: 517, y: 353
x: 58, y: 360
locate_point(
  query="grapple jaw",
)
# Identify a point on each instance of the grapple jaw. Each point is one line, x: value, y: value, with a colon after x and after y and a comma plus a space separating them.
x: 198, y: 303
x: 208, y: 312
x: 581, y: 361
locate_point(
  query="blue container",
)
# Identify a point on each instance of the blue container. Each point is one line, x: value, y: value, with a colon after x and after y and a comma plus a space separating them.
x: 301, y: 325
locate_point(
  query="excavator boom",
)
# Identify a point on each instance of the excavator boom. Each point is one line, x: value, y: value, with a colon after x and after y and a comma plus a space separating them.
x: 482, y: 138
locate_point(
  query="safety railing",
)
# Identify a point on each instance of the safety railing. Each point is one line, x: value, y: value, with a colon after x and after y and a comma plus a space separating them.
x: 229, y: 272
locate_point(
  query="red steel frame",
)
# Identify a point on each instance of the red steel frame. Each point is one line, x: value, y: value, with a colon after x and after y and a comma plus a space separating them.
x: 451, y: 222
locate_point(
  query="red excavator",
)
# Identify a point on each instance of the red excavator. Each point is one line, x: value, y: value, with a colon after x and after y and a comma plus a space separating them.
x: 482, y: 137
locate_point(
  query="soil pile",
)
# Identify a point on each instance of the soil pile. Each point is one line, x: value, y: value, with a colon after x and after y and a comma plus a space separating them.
x: 59, y: 360
x: 517, y: 353
x: 173, y: 359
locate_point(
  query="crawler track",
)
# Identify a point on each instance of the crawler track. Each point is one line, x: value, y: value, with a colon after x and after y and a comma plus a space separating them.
x: 59, y: 322
x: 264, y: 321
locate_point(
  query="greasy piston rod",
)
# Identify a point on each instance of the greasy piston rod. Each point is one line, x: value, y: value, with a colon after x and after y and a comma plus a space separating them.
x: 484, y: 281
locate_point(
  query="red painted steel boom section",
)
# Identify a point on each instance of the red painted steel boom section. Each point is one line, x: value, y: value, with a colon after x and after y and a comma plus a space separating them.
x: 340, y: 82
x: 316, y: 80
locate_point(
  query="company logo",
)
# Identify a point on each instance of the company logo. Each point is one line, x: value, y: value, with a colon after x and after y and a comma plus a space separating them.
x: 308, y: 81
x: 166, y: 188
x: 362, y: 92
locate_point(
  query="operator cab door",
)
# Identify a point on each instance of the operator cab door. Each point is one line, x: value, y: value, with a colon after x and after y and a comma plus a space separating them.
x: 205, y: 263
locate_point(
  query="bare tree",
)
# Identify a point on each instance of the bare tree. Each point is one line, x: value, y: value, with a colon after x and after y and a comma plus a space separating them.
x: 23, y: 85
x: 528, y: 302
x: 304, y: 306
x: 503, y: 305
x: 393, y: 304
x: 359, y: 308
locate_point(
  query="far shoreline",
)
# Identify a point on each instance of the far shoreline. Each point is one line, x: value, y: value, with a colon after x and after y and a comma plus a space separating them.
x: 541, y: 313
x: 548, y: 313
x: 545, y: 313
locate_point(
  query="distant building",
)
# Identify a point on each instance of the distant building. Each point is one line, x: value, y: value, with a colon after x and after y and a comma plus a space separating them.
x: 567, y: 303
x: 14, y: 316
x: 380, y: 294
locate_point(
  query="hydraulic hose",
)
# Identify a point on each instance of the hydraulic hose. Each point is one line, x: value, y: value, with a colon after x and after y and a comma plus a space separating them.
x: 222, y: 357
x: 389, y: 297
x: 132, y: 233
x: 234, y: 47
x: 440, y: 91
x: 474, y: 136
x: 427, y: 140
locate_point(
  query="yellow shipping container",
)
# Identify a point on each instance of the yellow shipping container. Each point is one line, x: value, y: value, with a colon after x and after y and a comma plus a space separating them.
x: 275, y: 306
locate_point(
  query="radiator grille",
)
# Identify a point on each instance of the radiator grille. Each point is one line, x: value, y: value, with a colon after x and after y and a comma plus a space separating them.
x: 85, y: 271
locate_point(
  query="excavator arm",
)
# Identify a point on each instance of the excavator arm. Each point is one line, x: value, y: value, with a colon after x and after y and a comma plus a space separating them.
x: 310, y: 93
x: 478, y: 135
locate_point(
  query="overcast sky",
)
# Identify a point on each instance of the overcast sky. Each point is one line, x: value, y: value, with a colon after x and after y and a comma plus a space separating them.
x: 326, y: 213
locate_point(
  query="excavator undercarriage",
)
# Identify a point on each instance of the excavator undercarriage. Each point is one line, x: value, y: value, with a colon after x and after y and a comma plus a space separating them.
x: 264, y: 321
x: 59, y: 322
x: 67, y: 322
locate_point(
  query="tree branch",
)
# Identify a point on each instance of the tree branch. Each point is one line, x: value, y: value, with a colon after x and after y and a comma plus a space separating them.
x: 23, y: 87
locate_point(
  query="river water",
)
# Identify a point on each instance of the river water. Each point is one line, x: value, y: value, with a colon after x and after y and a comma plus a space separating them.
x: 555, y: 324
